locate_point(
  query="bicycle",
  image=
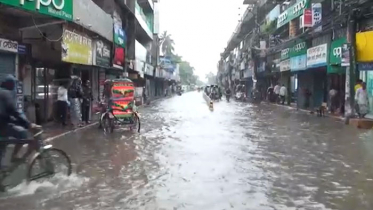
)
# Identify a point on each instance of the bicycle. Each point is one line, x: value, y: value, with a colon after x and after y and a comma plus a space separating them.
x: 43, y: 156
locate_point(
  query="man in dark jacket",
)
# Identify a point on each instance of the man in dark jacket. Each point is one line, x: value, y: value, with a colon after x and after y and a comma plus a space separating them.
x: 13, y: 123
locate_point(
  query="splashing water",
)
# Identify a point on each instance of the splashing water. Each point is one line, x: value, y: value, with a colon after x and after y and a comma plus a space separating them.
x: 59, y: 182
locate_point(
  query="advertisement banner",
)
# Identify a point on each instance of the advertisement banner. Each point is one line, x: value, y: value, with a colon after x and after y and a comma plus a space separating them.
x: 285, y: 54
x: 317, y: 56
x: 285, y: 65
x: 76, y: 47
x: 292, y: 12
x: 298, y: 63
x: 62, y: 9
x: 101, y: 54
x: 167, y: 64
x: 307, y: 18
x: 317, y: 16
x: 118, y: 60
x: 364, y: 46
x: 119, y: 35
x: 335, y: 55
x: 300, y: 48
x: 345, y: 60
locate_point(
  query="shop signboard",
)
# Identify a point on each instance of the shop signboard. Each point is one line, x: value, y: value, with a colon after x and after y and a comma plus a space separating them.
x: 101, y: 54
x: 292, y: 12
x: 365, y: 66
x: 62, y: 9
x: 317, y: 16
x: 298, y: 63
x: 345, y: 60
x: 119, y: 35
x: 335, y: 54
x: 22, y: 49
x: 118, y: 60
x: 285, y: 54
x: 167, y: 64
x: 149, y: 69
x: 317, y: 56
x: 285, y: 65
x: 300, y: 48
x: 76, y: 47
x: 305, y: 20
x: 8, y: 46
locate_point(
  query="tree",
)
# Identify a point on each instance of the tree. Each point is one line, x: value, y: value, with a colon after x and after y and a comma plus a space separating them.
x: 167, y: 44
x: 211, y: 78
x: 186, y: 70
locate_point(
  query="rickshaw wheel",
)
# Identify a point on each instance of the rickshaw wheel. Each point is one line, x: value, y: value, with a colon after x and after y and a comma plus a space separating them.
x: 136, y: 123
x: 108, y: 124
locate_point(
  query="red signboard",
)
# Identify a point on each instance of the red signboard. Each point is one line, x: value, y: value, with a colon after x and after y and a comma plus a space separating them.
x: 307, y: 19
x: 118, y: 60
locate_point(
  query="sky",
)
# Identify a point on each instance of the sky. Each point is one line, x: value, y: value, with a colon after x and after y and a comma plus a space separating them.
x: 200, y: 29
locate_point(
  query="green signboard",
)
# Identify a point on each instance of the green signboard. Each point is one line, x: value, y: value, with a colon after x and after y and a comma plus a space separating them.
x: 292, y: 12
x: 300, y: 48
x: 336, y: 51
x: 62, y: 9
x: 285, y: 54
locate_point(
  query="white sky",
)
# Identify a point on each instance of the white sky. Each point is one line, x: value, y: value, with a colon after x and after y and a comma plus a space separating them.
x: 200, y: 29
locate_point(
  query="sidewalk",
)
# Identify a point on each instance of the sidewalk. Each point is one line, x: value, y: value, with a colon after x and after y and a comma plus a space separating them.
x: 294, y: 106
x: 364, y: 123
x: 53, y: 131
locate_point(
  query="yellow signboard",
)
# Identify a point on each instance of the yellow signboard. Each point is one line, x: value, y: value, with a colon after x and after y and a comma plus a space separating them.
x: 76, y: 47
x: 364, y: 46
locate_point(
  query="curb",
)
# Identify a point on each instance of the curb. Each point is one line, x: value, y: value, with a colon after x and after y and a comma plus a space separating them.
x: 69, y: 132
x: 306, y: 111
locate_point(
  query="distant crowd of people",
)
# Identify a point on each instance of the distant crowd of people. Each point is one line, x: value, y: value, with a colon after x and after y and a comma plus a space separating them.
x: 277, y: 94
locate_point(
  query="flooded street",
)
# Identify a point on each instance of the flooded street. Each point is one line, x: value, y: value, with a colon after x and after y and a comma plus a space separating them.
x: 239, y: 156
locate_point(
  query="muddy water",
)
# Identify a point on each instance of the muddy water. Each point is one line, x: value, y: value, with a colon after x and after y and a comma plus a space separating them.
x: 237, y: 157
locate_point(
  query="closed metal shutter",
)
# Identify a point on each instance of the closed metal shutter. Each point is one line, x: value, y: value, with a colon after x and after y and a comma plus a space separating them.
x: 7, y: 65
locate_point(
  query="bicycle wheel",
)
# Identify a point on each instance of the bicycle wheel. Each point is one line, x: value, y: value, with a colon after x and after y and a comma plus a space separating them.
x: 47, y: 164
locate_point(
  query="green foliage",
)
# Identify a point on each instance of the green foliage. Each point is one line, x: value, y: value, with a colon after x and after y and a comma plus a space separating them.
x: 269, y: 27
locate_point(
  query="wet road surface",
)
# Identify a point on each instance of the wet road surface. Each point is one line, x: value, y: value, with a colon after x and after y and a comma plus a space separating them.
x: 239, y: 156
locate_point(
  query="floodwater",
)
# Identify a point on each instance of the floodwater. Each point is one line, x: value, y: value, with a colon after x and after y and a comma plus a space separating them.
x: 239, y: 156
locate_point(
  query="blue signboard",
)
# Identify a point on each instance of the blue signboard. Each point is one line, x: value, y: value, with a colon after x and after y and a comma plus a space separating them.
x: 167, y: 64
x: 365, y: 66
x: 298, y: 63
x: 21, y: 49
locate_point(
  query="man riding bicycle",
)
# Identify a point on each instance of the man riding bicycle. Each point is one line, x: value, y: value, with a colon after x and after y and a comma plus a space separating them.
x: 13, y: 124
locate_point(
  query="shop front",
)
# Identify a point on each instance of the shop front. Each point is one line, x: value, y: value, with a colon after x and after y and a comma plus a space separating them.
x: 102, y: 62
x: 285, y: 76
x: 365, y: 66
x: 8, y: 57
x: 337, y: 73
x: 317, y: 61
x: 298, y: 64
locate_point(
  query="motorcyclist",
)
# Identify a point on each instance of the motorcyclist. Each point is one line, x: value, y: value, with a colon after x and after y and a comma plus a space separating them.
x: 13, y: 123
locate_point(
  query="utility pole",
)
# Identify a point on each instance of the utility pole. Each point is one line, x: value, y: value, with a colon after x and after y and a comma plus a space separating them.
x: 351, y: 69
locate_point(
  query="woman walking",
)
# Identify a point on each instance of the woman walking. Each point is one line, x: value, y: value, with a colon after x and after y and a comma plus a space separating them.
x: 62, y: 103
x: 362, y: 101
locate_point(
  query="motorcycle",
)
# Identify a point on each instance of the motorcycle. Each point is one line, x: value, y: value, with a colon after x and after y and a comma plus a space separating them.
x: 240, y: 96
